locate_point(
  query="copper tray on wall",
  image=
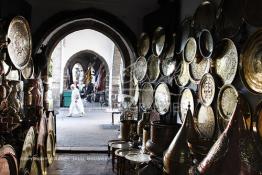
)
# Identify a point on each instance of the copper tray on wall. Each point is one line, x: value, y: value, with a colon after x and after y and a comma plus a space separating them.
x: 162, y: 98
x: 20, y: 46
x: 251, y: 63
x: 168, y: 66
x: 190, y: 50
x: 147, y: 96
x: 143, y: 44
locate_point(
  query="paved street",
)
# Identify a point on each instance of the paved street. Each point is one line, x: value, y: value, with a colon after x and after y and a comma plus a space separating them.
x: 90, y: 132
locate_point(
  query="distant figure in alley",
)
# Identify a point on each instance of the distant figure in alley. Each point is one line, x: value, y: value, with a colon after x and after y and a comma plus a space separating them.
x: 76, y: 106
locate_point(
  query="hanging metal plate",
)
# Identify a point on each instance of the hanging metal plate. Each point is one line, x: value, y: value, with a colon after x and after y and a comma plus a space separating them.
x: 186, y: 99
x: 153, y: 70
x: 197, y: 70
x: 207, y: 89
x: 158, y: 41
x: 140, y: 68
x: 162, y: 98
x: 147, y: 96
x: 143, y: 44
x: 182, y: 78
x: 190, y: 50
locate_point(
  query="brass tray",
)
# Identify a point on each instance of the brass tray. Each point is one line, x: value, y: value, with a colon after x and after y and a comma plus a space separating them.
x: 28, y: 71
x: 162, y: 98
x: 153, y: 69
x: 226, y: 62
x: 207, y: 89
x: 140, y: 68
x: 182, y: 77
x: 158, y: 41
x: 190, y: 50
x: 168, y: 66
x: 27, y: 150
x: 251, y: 62
x: 186, y: 98
x: 20, y: 46
x: 206, y: 121
x: 198, y: 69
x: 227, y: 101
x: 143, y: 44
x: 205, y: 43
x: 147, y: 96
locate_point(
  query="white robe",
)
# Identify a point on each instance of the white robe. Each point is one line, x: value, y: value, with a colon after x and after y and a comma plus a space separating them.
x: 76, y: 106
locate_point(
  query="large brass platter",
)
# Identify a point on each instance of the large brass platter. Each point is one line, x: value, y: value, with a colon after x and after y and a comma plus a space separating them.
x: 28, y: 71
x: 162, y: 98
x: 158, y: 41
x: 198, y: 69
x: 182, y: 78
x: 226, y: 62
x: 140, y: 68
x: 190, y: 50
x: 207, y: 89
x: 20, y: 46
x: 251, y: 62
x: 206, y: 121
x: 27, y: 150
x: 147, y: 96
x: 186, y: 99
x: 168, y: 66
x: 143, y: 44
x: 227, y: 101
x: 153, y: 70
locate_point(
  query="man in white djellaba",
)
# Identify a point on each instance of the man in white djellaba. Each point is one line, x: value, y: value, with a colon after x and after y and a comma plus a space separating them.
x: 76, y: 106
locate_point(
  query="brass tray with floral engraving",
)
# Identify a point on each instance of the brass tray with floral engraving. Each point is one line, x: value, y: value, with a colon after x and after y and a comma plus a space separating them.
x: 140, y: 68
x: 198, y: 69
x: 251, y: 62
x: 226, y: 61
x: 207, y: 89
x: 147, y: 96
x: 186, y: 98
x: 20, y: 46
x: 143, y: 44
x: 162, y: 98
x: 153, y: 69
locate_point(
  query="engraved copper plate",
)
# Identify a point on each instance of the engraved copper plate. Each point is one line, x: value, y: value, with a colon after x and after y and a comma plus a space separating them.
x: 153, y: 70
x: 158, y: 41
x: 197, y: 70
x: 186, y: 99
x: 190, y: 49
x: 143, y: 44
x: 20, y: 46
x: 147, y: 96
x: 168, y: 66
x: 251, y: 62
x: 28, y: 149
x: 227, y: 101
x: 140, y: 68
x: 162, y: 98
x: 206, y: 121
x: 28, y: 71
x: 226, y: 63
x: 182, y: 79
x: 207, y: 89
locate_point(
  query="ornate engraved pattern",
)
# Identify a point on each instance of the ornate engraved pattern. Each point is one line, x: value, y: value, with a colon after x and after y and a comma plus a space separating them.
x: 162, y: 98
x: 20, y: 46
x: 251, y: 62
x: 147, y: 96
x: 153, y: 68
x: 207, y: 89
x: 226, y: 63
x: 186, y: 99
x: 140, y: 68
x: 197, y: 70
x: 206, y: 121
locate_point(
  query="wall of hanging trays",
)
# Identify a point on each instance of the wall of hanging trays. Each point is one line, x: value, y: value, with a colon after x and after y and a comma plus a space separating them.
x: 27, y: 126
x: 211, y: 65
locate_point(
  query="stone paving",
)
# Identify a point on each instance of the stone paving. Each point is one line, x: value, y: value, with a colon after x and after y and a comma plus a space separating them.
x: 90, y: 132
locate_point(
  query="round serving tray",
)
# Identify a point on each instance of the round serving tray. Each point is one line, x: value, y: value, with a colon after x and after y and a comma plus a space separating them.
x: 206, y: 121
x: 140, y: 68
x: 198, y: 69
x: 190, y: 49
x: 207, y: 89
x: 158, y: 41
x: 251, y: 63
x: 153, y: 69
x: 168, y: 66
x: 227, y: 101
x: 162, y: 98
x: 182, y: 76
x: 143, y: 44
x: 20, y: 46
x: 186, y: 98
x: 147, y: 96
x: 205, y: 44
x: 226, y: 61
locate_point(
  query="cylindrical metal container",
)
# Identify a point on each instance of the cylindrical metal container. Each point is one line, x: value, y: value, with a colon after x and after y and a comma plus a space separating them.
x: 127, y: 129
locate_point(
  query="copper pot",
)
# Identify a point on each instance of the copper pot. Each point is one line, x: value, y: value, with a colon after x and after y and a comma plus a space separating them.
x: 127, y: 129
x: 161, y: 136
